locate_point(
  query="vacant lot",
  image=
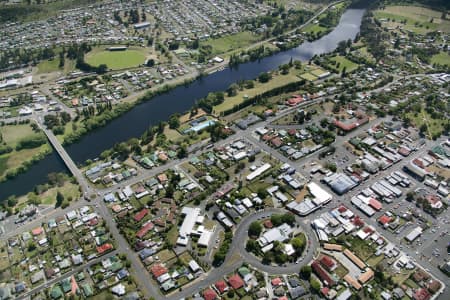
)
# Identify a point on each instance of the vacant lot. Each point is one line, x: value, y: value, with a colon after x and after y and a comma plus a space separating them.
x: 232, y: 42
x: 442, y: 58
x: 116, y: 59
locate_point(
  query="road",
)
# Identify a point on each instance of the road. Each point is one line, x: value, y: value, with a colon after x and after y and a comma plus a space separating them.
x: 65, y: 275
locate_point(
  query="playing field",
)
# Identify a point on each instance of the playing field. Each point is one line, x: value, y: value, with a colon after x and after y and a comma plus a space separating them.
x: 116, y: 60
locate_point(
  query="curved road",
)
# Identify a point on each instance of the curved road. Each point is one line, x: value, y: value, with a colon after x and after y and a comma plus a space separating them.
x: 237, y: 255
x: 241, y: 235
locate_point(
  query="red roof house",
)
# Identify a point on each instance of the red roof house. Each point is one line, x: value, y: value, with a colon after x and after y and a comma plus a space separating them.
x: 37, y: 231
x: 322, y: 274
x: 140, y: 215
x: 104, y: 248
x: 384, y: 220
x: 221, y: 286
x: 209, y: 294
x: 143, y: 231
x: 328, y: 263
x: 158, y: 270
x: 236, y: 281
x: 276, y: 281
x: 421, y: 294
x: 276, y: 142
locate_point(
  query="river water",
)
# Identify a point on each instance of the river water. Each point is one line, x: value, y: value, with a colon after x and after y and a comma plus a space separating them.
x: 180, y: 99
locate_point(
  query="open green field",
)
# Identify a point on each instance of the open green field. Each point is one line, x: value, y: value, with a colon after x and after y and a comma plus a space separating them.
x: 11, y: 135
x: 308, y: 76
x: 49, y: 197
x: 116, y: 60
x: 418, y: 19
x: 232, y: 42
x: 276, y: 81
x: 48, y: 66
x: 434, y: 126
x: 442, y: 58
x: 343, y: 63
x: 314, y: 28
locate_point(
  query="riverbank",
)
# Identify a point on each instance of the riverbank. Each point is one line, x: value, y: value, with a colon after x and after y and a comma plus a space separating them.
x: 179, y: 99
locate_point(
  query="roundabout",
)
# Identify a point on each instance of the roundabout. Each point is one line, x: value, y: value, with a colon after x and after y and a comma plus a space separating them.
x: 241, y: 234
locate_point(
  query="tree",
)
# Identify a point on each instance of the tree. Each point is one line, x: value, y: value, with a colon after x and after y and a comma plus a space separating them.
x: 59, y: 199
x: 264, y: 77
x: 305, y: 272
x: 102, y: 69
x: 150, y: 63
x: 174, y: 121
x: 255, y: 229
x: 61, y: 59
x: 298, y: 244
x: 251, y: 246
x: 12, y: 201
x: 288, y: 218
x: 262, y: 193
x: 31, y: 246
x: 315, y: 284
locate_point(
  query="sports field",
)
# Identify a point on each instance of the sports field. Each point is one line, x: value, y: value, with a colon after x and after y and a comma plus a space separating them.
x: 116, y: 60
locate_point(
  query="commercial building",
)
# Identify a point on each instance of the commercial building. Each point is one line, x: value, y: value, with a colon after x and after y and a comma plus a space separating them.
x: 414, y: 234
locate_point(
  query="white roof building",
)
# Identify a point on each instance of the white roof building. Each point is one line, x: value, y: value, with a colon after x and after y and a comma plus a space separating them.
x: 205, y: 238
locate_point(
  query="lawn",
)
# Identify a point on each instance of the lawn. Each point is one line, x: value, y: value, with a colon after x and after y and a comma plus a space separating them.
x: 418, y: 19
x: 276, y: 81
x: 434, y: 125
x: 165, y: 255
x: 443, y: 58
x: 48, y: 66
x: 343, y: 63
x: 116, y: 59
x: 232, y: 42
x: 308, y: 76
x: 68, y: 190
x: 375, y: 260
x: 11, y: 135
x: 172, y: 235
x: 314, y: 28
x: 341, y: 271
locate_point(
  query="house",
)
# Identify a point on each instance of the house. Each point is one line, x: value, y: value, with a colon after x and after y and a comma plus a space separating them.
x: 209, y: 294
x: 141, y: 214
x: 421, y: 294
x: 329, y: 263
x: 104, y: 248
x: 322, y: 274
x: 118, y: 290
x: 158, y: 270
x: 235, y: 281
x: 221, y: 286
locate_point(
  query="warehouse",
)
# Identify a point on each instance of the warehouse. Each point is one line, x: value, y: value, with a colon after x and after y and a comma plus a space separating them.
x: 414, y: 234
x: 258, y: 172
x: 340, y: 183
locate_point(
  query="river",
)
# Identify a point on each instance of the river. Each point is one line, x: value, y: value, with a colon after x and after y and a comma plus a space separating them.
x: 180, y: 99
